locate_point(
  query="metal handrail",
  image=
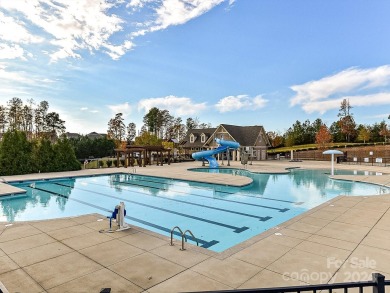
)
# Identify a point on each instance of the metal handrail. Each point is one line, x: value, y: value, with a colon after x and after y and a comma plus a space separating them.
x: 182, y: 236
x: 189, y: 231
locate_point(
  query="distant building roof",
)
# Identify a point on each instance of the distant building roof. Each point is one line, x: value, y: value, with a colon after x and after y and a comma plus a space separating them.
x: 72, y: 135
x: 94, y: 135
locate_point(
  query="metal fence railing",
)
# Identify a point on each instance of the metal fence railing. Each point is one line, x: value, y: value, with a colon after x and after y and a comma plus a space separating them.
x: 377, y: 285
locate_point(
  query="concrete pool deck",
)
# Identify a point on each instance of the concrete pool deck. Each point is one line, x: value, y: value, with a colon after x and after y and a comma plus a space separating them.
x: 344, y: 239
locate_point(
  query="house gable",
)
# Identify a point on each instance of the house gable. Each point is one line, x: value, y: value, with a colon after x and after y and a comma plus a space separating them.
x: 221, y: 133
x: 262, y: 139
x: 194, y: 137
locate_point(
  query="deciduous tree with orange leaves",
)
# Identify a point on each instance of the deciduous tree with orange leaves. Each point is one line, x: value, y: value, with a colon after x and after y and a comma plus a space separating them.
x: 323, y: 137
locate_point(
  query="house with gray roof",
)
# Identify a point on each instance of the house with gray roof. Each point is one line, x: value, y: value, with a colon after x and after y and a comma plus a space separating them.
x: 253, y: 140
x: 195, y: 140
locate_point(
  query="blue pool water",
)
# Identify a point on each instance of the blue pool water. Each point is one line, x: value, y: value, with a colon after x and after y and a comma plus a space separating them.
x: 219, y: 216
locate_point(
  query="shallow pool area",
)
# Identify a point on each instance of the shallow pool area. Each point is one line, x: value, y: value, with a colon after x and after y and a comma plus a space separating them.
x: 219, y: 216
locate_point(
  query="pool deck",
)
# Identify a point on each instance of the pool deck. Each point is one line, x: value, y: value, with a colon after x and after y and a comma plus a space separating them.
x: 344, y: 239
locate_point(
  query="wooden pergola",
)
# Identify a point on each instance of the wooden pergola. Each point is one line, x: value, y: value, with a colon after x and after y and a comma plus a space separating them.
x: 143, y: 155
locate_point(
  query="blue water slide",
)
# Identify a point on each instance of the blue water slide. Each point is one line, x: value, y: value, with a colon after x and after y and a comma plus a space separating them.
x: 208, y: 155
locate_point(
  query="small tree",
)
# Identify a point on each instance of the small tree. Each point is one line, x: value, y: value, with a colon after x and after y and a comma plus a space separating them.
x: 109, y: 163
x: 275, y: 139
x: 364, y: 134
x: 384, y: 131
x: 323, y: 137
x: 101, y: 163
x: 148, y: 139
x: 116, y: 163
x: 346, y: 122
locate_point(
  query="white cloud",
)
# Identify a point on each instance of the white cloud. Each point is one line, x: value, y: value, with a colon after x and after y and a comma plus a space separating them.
x: 340, y: 83
x: 84, y: 108
x: 379, y: 116
x: 175, y: 12
x: 72, y: 26
x: 11, y: 52
x: 124, y: 108
x: 137, y: 4
x: 356, y: 101
x: 177, y: 106
x: 11, y: 76
x: 12, y: 30
x: 171, y: 12
x: 240, y: 102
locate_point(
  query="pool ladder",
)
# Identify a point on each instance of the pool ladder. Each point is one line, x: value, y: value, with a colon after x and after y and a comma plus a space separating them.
x: 183, y: 237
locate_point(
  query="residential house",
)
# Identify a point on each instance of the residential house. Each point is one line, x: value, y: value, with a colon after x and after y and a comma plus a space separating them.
x: 195, y: 140
x: 94, y: 135
x: 72, y: 135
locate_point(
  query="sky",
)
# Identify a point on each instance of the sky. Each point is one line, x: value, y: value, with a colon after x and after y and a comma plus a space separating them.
x: 241, y: 62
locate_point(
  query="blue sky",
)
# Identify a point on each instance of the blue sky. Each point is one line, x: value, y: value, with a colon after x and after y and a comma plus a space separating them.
x: 243, y: 62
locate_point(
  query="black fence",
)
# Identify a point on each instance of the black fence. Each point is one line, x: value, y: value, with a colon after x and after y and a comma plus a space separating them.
x: 377, y: 285
x: 368, y: 160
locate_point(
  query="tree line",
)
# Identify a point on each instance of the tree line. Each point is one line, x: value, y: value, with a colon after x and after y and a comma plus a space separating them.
x: 32, y: 118
x: 29, y: 139
x: 19, y: 155
x: 343, y: 130
x: 158, y: 124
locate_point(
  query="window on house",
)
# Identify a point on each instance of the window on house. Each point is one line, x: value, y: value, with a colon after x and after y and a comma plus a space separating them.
x: 203, y: 138
x: 192, y: 138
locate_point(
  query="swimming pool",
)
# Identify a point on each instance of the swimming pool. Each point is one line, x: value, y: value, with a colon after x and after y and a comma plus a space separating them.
x: 219, y: 216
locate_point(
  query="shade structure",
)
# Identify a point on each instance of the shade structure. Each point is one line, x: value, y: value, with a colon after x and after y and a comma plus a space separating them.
x: 332, y: 152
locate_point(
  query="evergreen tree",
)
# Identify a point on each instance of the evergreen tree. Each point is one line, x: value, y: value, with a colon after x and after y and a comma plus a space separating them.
x: 15, y: 115
x: 43, y: 156
x: 116, y: 127
x: 131, y: 132
x: 3, y: 119
x: 54, y: 124
x: 65, y: 158
x: 15, y: 154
